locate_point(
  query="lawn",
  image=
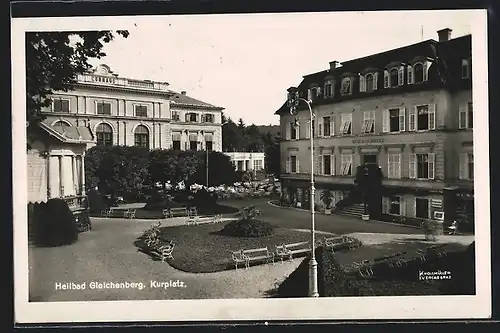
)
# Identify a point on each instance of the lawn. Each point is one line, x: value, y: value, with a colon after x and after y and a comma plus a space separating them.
x: 202, y: 249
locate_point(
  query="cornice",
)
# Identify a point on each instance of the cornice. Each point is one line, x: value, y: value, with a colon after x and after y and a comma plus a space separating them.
x: 125, y: 89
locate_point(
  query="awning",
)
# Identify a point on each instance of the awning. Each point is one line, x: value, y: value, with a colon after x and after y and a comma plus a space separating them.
x: 193, y: 137
x: 176, y: 136
x: 209, y: 137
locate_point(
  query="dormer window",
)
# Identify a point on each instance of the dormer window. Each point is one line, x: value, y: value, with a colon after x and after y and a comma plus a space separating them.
x: 328, y: 91
x: 368, y: 82
x: 394, y: 77
x: 418, y: 69
x: 346, y: 86
x: 313, y: 93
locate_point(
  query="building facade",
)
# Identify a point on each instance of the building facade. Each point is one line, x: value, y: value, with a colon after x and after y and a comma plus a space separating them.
x: 123, y: 111
x: 408, y: 110
x: 247, y: 161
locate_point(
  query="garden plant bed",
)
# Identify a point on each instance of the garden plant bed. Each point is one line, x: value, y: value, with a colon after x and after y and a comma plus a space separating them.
x: 202, y: 249
x: 337, y: 277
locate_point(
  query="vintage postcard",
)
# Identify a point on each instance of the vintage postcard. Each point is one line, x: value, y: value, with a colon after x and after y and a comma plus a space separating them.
x: 286, y: 166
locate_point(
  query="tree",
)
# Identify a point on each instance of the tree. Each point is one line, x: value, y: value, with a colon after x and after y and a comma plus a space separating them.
x: 53, y: 62
x: 220, y: 169
x: 232, y: 137
x: 369, y: 182
x: 241, y: 124
x: 272, y: 154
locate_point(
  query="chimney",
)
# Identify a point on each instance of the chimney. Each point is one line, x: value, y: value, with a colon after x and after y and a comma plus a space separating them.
x: 334, y: 64
x: 183, y: 92
x: 444, y: 34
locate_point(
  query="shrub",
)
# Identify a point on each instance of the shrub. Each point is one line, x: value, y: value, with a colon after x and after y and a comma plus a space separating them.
x: 83, y: 221
x: 96, y: 202
x: 56, y: 224
x: 248, y: 228
x: 161, y: 201
x: 203, y: 198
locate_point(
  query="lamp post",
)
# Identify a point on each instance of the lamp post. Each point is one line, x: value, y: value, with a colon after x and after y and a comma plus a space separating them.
x: 293, y: 102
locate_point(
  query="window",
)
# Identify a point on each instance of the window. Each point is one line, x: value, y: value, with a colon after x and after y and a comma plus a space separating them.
x: 368, y: 122
x: 104, y: 135
x: 393, y: 165
x: 465, y: 68
x: 346, y: 123
x: 422, y: 208
x: 61, y: 123
x: 176, y: 141
x: 141, y: 136
x: 327, y: 165
x: 346, y: 165
x: 103, y: 108
x: 60, y: 105
x: 394, y: 120
x: 141, y: 111
x: 193, y: 141
x: 369, y: 158
x: 393, y: 77
x: 209, y: 145
x: 191, y: 117
x: 466, y: 166
x: 418, y: 71
x: 422, y: 117
x: 292, y: 164
x: 294, y: 131
x: 176, y: 116
x: 327, y: 126
x: 395, y: 206
x: 346, y: 87
x: 314, y: 93
x: 466, y: 116
x: 422, y: 166
x: 369, y: 83
x: 208, y: 118
x: 328, y: 89
x: 409, y: 74
x: 313, y: 128
x: 257, y: 165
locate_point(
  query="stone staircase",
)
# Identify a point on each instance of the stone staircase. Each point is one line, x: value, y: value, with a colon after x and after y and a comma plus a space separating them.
x: 355, y: 210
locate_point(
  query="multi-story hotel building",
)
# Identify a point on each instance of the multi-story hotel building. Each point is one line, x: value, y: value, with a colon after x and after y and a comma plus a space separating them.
x: 124, y: 111
x: 409, y: 110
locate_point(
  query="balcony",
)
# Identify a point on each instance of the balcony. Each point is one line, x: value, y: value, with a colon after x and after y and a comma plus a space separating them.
x: 110, y: 81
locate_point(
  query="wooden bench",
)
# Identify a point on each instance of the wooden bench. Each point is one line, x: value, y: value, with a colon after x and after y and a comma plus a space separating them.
x: 238, y: 258
x: 130, y: 213
x: 289, y: 250
x: 164, y: 251
x: 175, y: 212
x: 256, y: 255
x: 333, y: 243
x: 216, y: 219
x: 192, y: 211
x: 193, y: 220
x: 365, y: 267
x: 108, y: 212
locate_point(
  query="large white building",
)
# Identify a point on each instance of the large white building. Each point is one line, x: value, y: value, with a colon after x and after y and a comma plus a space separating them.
x: 124, y: 111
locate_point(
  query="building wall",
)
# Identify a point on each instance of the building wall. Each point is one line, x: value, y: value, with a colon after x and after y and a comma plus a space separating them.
x: 37, y: 173
x: 83, y: 112
x: 446, y: 141
x: 247, y: 158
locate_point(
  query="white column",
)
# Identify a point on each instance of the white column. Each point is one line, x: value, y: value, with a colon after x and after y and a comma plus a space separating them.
x: 61, y: 176
x: 82, y: 174
x: 75, y: 174
x: 48, y: 177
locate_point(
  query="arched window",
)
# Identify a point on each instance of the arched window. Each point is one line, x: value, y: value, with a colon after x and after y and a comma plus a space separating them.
x: 61, y: 123
x: 393, y: 77
x: 346, y: 87
x: 369, y: 82
x: 418, y: 69
x: 104, y: 134
x: 314, y: 94
x: 141, y: 136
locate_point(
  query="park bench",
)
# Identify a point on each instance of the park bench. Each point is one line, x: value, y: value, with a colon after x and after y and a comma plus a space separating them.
x: 238, y: 257
x: 256, y: 255
x: 193, y: 220
x: 108, y: 212
x: 175, y: 212
x: 334, y: 243
x: 192, y: 211
x: 289, y: 250
x: 163, y: 252
x: 365, y: 267
x: 130, y: 213
x: 216, y: 219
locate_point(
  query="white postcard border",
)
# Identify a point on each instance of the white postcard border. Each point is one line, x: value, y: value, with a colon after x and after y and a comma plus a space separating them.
x: 342, y: 308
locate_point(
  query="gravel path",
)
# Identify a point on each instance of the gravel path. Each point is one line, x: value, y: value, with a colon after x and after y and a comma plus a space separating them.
x: 107, y: 254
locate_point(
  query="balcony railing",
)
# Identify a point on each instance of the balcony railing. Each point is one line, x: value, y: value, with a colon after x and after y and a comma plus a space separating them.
x: 122, y: 82
x: 76, y: 202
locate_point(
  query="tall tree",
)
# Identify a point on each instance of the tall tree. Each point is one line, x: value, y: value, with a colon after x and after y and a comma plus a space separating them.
x: 53, y: 62
x: 241, y: 124
x: 232, y: 137
x: 272, y: 154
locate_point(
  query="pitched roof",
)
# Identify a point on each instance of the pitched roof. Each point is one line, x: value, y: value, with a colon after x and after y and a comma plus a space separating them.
x: 69, y: 134
x: 182, y: 99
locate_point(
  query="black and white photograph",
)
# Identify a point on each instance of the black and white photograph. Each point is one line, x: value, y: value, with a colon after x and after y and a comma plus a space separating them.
x: 329, y: 165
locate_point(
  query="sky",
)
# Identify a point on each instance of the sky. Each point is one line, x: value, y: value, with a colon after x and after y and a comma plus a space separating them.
x: 245, y: 62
